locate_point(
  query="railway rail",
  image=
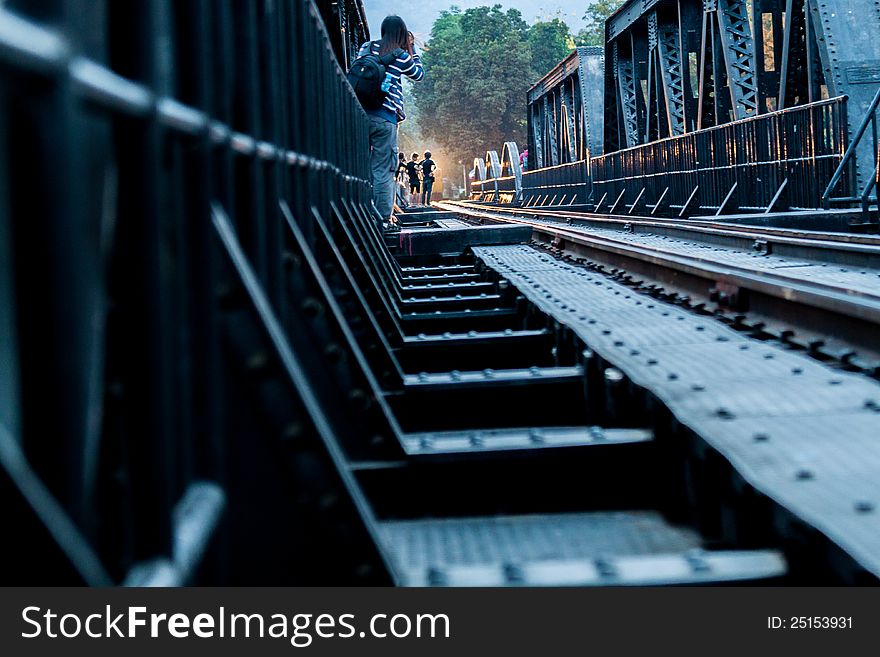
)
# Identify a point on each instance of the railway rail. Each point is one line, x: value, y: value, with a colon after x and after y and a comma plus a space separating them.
x: 815, y: 291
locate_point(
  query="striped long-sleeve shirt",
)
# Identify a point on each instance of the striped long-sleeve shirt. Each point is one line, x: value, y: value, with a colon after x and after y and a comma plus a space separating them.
x: 410, y: 66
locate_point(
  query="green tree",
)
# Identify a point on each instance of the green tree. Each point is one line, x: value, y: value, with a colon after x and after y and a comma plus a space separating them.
x: 478, y: 67
x: 550, y: 42
x: 593, y: 33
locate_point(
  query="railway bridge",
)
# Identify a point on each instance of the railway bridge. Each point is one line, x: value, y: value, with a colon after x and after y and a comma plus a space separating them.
x: 649, y: 358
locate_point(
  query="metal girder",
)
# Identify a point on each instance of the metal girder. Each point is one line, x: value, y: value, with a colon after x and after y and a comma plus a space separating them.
x: 566, y: 99
x: 669, y: 50
x: 736, y: 35
x: 479, y: 169
x: 566, y: 119
x: 565, y: 111
x: 536, y: 114
x: 510, y: 165
x: 550, y: 126
x: 626, y: 86
x: 591, y: 67
x: 851, y: 62
x: 793, y: 78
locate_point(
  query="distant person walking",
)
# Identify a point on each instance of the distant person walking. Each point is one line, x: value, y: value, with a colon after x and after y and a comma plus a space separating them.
x: 400, y: 180
x: 524, y: 159
x: 395, y: 54
x: 428, y: 167
x: 415, y: 187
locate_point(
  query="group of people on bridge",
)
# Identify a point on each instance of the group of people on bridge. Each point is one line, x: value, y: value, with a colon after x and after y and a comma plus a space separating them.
x: 415, y: 180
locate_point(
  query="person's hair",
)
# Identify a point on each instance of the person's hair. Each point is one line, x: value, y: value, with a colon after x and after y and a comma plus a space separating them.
x: 427, y: 153
x: 401, y: 156
x: 394, y: 35
x: 415, y: 156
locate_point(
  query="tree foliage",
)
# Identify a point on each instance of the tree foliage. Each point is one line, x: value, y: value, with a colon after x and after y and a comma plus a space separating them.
x: 478, y: 67
x: 593, y: 32
x: 550, y: 42
x: 479, y: 64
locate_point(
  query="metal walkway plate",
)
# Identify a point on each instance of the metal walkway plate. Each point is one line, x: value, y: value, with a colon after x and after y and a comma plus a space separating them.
x: 496, y: 440
x: 516, y: 377
x: 577, y: 549
x: 802, y: 433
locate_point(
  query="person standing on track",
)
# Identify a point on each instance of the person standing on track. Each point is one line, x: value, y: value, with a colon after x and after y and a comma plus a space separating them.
x: 415, y: 187
x: 398, y: 46
x: 428, y: 168
x: 403, y: 199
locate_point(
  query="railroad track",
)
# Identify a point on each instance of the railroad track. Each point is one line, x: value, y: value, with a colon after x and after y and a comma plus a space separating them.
x: 819, y: 292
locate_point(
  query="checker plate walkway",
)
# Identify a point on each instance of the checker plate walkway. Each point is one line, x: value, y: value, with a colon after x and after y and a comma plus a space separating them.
x: 803, y: 434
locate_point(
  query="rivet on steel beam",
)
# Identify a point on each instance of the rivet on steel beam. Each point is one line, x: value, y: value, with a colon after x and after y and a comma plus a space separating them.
x: 697, y: 562
x: 312, y: 307
x: 328, y: 501
x: 605, y: 567
x: 292, y: 431
x: 804, y: 475
x: 613, y: 375
x: 436, y: 577
x: 513, y: 574
x: 257, y: 361
x: 334, y: 352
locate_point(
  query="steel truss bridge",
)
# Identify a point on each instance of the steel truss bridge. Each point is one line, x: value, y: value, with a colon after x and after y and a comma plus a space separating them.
x: 709, y: 109
x: 216, y: 368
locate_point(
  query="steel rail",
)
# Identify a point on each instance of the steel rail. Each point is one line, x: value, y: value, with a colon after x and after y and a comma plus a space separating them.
x: 848, y: 315
x: 791, y: 236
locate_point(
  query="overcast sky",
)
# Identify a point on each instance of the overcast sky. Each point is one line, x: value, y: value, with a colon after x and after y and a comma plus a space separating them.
x: 420, y: 14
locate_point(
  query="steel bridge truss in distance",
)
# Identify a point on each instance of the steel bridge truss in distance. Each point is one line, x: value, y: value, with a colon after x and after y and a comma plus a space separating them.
x: 713, y: 107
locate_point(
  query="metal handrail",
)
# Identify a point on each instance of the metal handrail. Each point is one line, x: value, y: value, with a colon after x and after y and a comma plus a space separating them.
x: 870, y: 117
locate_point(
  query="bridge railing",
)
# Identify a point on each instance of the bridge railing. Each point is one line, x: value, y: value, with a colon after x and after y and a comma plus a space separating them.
x: 844, y: 170
x: 772, y: 162
x: 502, y: 189
x: 564, y: 184
x: 775, y: 161
x: 139, y: 391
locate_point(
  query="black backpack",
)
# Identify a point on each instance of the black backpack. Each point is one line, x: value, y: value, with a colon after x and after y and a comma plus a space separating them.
x: 367, y: 74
